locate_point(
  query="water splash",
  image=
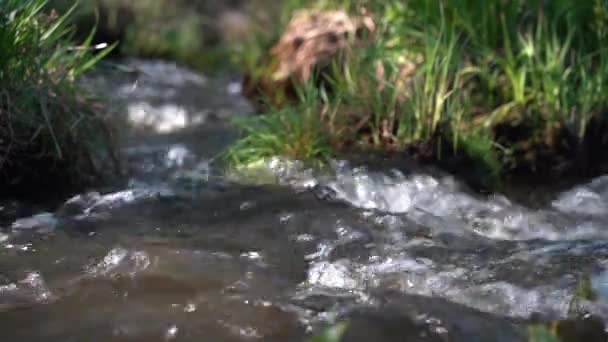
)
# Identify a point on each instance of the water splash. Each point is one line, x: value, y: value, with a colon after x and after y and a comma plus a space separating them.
x: 493, y: 216
x: 120, y: 260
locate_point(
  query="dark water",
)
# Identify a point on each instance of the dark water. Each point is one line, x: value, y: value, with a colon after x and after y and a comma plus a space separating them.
x: 187, y: 252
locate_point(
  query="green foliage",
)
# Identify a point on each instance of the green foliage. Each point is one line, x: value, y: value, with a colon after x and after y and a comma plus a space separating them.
x: 164, y: 29
x: 46, y: 120
x: 431, y: 104
x: 286, y: 132
x: 292, y: 132
x: 180, y: 30
x: 499, y: 79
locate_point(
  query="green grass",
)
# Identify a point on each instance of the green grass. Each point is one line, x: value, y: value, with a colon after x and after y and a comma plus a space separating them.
x: 291, y: 132
x: 506, y: 83
x: 50, y: 129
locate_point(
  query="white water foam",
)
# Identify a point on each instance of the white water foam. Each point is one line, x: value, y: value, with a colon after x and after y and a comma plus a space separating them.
x: 581, y: 213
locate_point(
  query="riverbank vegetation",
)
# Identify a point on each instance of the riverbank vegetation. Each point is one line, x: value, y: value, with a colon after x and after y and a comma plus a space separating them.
x: 199, y: 34
x: 501, y: 88
x: 493, y: 89
x: 50, y: 128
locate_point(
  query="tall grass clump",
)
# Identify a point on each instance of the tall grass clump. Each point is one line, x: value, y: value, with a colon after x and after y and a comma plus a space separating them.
x: 50, y: 129
x: 522, y: 71
x: 511, y: 86
x: 291, y: 132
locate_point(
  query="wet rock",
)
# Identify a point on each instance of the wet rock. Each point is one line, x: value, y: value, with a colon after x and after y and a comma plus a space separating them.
x: 320, y: 301
x: 325, y: 193
x: 387, y: 329
x: 94, y: 205
x: 588, y: 329
x: 78, y: 204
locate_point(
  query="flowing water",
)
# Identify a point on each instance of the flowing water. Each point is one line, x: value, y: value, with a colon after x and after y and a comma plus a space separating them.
x: 187, y: 253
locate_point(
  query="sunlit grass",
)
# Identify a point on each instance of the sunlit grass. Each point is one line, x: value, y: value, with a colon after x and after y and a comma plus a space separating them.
x: 520, y: 74
x: 291, y: 132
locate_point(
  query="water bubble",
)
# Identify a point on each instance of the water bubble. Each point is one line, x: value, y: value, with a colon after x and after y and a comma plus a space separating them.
x: 328, y: 274
x: 246, y: 205
x: 234, y: 88
x: 121, y: 260
x: 178, y: 156
x: 252, y: 255
x: 171, y: 333
x: 190, y: 307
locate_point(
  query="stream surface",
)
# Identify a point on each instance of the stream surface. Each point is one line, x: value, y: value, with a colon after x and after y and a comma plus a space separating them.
x: 186, y: 252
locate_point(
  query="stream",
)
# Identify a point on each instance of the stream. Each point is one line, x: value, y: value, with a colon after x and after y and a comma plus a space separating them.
x: 187, y: 252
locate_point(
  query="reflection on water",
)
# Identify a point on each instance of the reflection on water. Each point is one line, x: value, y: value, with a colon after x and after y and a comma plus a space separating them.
x: 184, y: 253
x: 237, y: 262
